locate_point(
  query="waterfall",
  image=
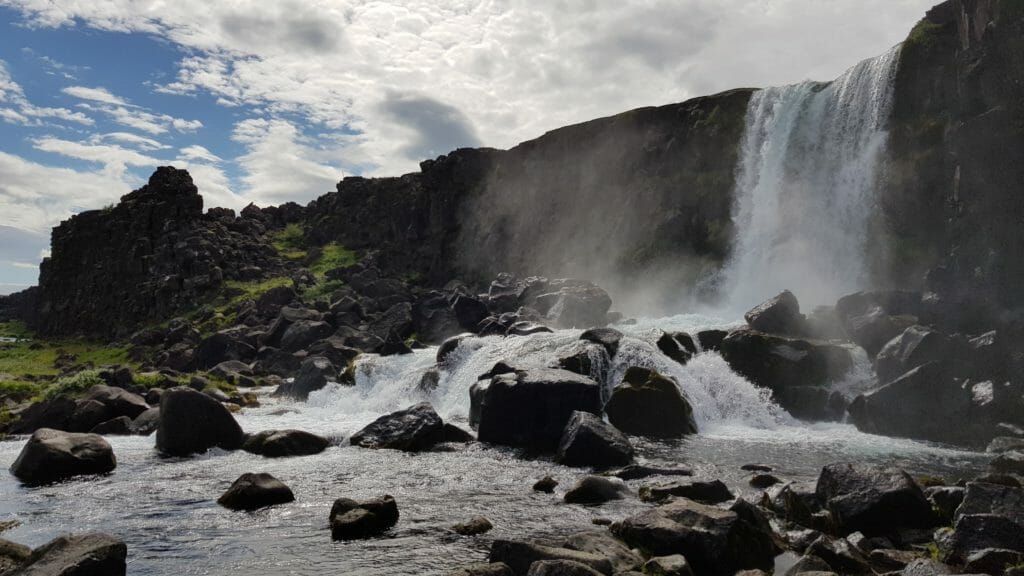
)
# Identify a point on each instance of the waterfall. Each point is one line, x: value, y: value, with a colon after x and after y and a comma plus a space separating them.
x: 808, y: 170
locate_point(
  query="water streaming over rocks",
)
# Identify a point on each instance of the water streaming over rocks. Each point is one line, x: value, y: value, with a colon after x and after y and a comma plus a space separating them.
x: 809, y: 166
x: 166, y: 508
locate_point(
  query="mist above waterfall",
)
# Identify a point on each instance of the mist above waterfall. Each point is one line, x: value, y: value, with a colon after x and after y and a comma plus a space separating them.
x: 810, y: 165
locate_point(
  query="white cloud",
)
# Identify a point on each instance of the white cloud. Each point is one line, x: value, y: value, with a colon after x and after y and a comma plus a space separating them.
x: 19, y: 110
x: 140, y: 142
x: 199, y: 153
x: 504, y: 70
x: 94, y: 94
x: 115, y: 159
x: 281, y: 165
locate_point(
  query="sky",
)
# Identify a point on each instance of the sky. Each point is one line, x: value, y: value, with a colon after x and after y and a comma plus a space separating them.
x: 272, y: 101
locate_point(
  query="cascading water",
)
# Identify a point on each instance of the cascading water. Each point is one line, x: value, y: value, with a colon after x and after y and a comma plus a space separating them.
x: 809, y: 166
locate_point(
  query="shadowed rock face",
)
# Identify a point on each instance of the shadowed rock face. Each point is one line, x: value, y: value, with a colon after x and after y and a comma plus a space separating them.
x: 151, y: 255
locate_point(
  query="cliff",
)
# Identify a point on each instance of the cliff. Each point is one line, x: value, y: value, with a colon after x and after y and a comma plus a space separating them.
x: 953, y: 203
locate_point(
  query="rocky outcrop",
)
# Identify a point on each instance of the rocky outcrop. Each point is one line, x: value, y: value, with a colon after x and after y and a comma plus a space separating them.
x: 872, y: 500
x: 153, y: 254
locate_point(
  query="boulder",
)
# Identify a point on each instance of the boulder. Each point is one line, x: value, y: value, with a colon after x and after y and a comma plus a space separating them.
x: 813, y: 403
x: 711, y: 339
x: 560, y: 568
x: 335, y: 350
x: 453, y: 433
x: 638, y: 471
x: 917, y: 345
x: 469, y: 312
x: 779, y: 315
x: 83, y: 555
x: 990, y: 517
x: 873, y: 500
x: 607, y: 338
x: 395, y: 322
x: 546, y: 484
x: 433, y: 318
x: 575, y: 304
x: 302, y: 333
x: 585, y: 359
x: 590, y: 441
x: 87, y: 415
x: 602, y: 543
x: 473, y: 526
x: 674, y: 565
x: 778, y: 362
x: 678, y: 346
x: 871, y: 319
x: 945, y: 500
x: 118, y: 401
x: 285, y: 318
x: 519, y: 556
x: 705, y: 492
x: 270, y: 360
x: 715, y: 541
x: 12, y: 555
x: 393, y: 345
x: 840, y: 556
x: 282, y: 443
x: 530, y: 407
x: 315, y: 373
x: 120, y: 426
x: 52, y: 455
x: 146, y: 423
x: 923, y: 403
x: 234, y: 372
x: 352, y: 520
x: 254, y: 491
x: 192, y: 422
x: 649, y: 404
x: 596, y: 490
x: 450, y: 345
x: 53, y: 413
x: 414, y: 429
x: 222, y: 346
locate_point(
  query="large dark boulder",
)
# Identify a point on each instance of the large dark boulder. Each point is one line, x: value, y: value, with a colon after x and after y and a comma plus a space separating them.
x: 146, y: 423
x: 302, y: 333
x: 254, y: 491
x: 990, y: 517
x: 414, y: 429
x: 602, y: 543
x: 678, y: 346
x: 118, y: 401
x: 705, y: 492
x: 53, y: 413
x: 928, y: 403
x: 352, y: 520
x: 83, y: 555
x: 779, y: 315
x: 917, y: 345
x: 519, y: 556
x: 222, y: 346
x: 574, y: 304
x: 282, y: 443
x: 191, y: 422
x: 530, y: 407
x: 714, y: 540
x: 873, y: 500
x: 608, y: 338
x: 596, y: 490
x: 433, y: 318
x: 120, y: 426
x: 590, y: 441
x: 777, y: 362
x: 315, y: 373
x: 469, y: 312
x: 52, y: 455
x: 871, y: 319
x: 649, y: 404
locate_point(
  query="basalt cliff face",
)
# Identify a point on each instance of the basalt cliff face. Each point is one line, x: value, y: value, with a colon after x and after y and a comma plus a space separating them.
x: 640, y: 198
x: 953, y: 200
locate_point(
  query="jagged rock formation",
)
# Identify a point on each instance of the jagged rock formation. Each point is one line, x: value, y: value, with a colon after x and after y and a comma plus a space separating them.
x: 153, y: 254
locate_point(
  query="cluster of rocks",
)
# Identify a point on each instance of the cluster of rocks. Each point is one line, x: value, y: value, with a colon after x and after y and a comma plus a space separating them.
x: 94, y: 554
x: 856, y: 519
x: 931, y: 385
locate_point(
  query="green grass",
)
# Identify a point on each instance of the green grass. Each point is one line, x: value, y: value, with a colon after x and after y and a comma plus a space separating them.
x: 334, y: 256
x: 925, y: 35
x: 37, y: 358
x: 290, y: 242
x: 14, y: 329
x: 73, y: 385
x: 20, y: 389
